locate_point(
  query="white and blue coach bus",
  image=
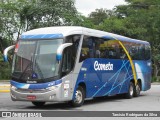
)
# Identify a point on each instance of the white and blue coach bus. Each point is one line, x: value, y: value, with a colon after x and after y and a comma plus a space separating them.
x: 73, y: 63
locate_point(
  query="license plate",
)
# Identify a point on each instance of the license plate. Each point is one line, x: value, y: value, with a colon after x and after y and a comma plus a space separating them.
x: 31, y: 97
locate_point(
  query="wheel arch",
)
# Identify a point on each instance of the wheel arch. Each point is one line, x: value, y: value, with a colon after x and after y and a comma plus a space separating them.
x: 83, y: 85
x: 139, y: 81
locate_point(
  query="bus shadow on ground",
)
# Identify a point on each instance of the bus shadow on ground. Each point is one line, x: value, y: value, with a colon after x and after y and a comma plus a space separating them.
x: 116, y: 98
x: 67, y: 106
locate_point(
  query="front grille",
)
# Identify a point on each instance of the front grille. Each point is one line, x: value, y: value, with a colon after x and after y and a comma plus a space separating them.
x: 32, y: 91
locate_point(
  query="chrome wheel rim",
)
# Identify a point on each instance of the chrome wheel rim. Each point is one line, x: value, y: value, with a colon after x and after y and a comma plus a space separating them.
x: 78, y: 96
x: 131, y: 90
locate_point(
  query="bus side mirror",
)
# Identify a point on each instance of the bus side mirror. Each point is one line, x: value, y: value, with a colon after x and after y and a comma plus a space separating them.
x: 60, y: 50
x: 5, y: 53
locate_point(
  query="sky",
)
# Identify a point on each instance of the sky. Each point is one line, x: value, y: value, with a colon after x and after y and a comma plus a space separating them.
x: 87, y: 6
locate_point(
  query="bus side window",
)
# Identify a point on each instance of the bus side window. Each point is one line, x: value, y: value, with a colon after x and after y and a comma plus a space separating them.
x: 122, y: 54
x: 83, y: 55
x: 147, y: 52
x: 134, y: 52
x: 141, y: 52
x: 69, y: 54
x: 112, y: 49
x: 67, y: 62
x: 112, y: 53
x: 87, y: 50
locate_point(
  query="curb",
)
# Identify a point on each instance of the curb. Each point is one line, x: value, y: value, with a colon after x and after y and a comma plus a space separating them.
x: 4, y: 88
x: 1, y: 86
x: 4, y: 91
x: 155, y: 83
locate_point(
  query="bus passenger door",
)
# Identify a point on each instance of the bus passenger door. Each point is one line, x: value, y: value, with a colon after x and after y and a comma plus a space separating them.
x: 68, y: 66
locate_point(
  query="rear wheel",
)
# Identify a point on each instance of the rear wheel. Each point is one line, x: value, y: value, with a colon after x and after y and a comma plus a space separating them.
x: 79, y: 97
x: 137, y: 90
x: 130, y: 92
x: 38, y: 104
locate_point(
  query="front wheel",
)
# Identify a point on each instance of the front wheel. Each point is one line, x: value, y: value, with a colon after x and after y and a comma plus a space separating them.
x: 79, y: 97
x: 130, y: 92
x: 38, y: 104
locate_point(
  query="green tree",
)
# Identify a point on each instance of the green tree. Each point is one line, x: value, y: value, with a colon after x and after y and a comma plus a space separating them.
x: 99, y: 15
x: 17, y: 16
x: 45, y: 13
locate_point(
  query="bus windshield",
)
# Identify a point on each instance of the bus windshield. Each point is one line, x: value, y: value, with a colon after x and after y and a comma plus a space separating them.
x: 36, y: 59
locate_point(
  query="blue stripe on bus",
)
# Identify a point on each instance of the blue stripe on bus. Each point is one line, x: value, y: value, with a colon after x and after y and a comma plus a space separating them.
x: 35, y: 86
x: 108, y: 37
x: 41, y: 36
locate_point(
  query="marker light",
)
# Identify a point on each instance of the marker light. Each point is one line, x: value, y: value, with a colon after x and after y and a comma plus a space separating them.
x: 16, y: 47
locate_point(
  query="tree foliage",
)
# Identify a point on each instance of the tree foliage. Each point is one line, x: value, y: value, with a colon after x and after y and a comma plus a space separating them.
x: 17, y: 16
x: 138, y: 19
x: 99, y: 15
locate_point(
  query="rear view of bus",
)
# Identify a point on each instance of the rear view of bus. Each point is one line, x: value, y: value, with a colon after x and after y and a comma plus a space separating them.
x: 73, y: 63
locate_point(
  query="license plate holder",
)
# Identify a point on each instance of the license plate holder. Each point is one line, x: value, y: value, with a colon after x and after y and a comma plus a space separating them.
x: 31, y: 97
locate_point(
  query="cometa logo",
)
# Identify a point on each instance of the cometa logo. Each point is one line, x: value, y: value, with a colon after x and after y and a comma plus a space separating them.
x: 98, y: 66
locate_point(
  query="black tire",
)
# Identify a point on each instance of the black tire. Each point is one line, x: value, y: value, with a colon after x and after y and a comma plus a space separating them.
x: 130, y: 92
x: 137, y: 90
x: 79, y: 97
x: 38, y: 104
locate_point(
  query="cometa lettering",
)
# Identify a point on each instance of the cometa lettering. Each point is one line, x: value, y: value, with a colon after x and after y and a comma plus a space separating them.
x: 98, y: 66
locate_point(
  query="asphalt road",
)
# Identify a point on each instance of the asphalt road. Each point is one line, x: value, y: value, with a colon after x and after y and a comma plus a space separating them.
x: 148, y: 101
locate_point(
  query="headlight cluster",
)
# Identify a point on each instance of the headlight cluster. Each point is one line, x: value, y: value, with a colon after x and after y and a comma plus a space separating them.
x: 13, y: 87
x: 52, y: 88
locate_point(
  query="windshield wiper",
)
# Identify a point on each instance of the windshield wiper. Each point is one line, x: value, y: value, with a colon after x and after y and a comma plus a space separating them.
x: 29, y: 64
x: 25, y: 70
x: 39, y: 70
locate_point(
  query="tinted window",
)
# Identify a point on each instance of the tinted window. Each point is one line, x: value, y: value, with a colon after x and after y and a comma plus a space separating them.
x: 147, y: 52
x: 134, y: 51
x: 70, y: 53
x: 113, y: 50
x: 88, y: 48
x: 94, y: 47
x: 68, y: 61
x: 141, y: 55
x: 138, y: 51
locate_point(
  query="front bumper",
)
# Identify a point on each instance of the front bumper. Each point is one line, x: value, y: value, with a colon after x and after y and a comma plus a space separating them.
x: 40, y: 94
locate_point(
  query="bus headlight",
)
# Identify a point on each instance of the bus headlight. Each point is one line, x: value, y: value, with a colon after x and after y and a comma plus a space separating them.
x: 13, y: 87
x: 52, y: 88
